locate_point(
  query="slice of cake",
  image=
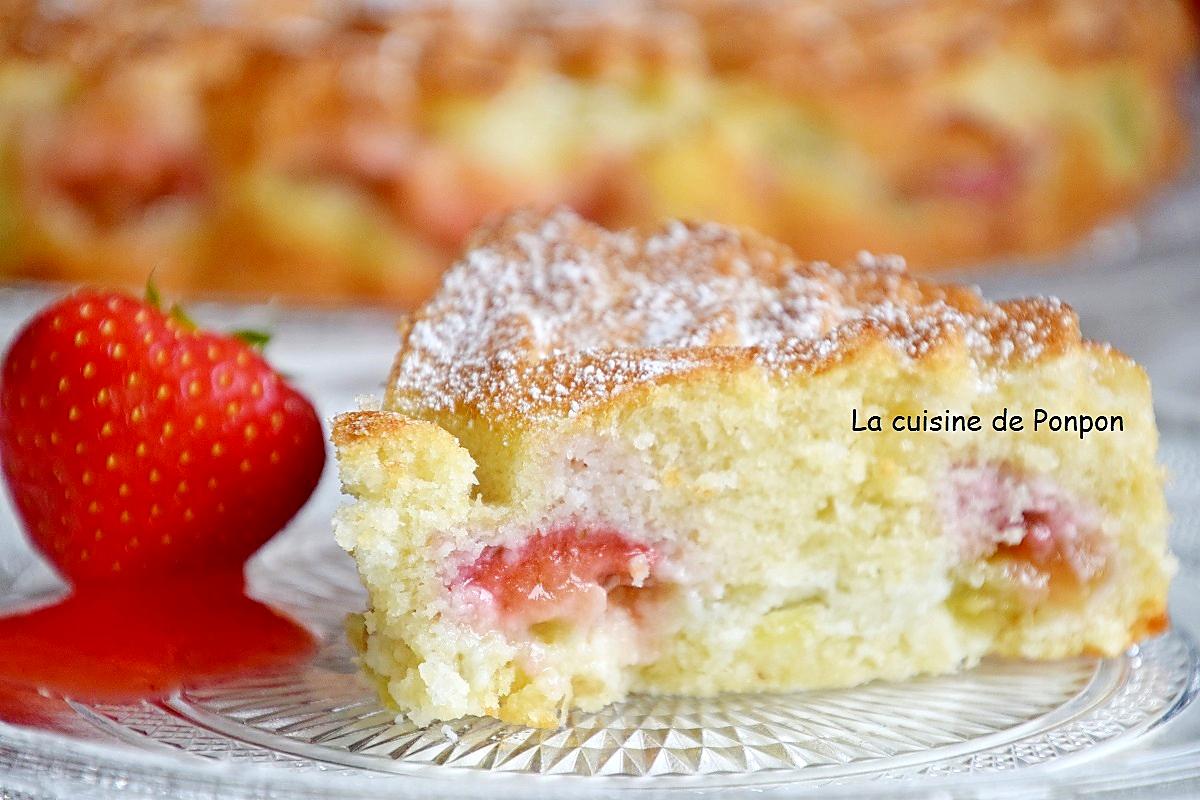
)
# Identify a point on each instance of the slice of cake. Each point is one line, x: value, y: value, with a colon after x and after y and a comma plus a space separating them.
x: 614, y: 462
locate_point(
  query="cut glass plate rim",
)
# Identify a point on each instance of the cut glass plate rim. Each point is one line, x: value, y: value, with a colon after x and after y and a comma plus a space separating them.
x: 31, y: 757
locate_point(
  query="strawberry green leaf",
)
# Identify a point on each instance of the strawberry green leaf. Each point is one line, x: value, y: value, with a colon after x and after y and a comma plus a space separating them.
x: 153, y: 298
x: 255, y: 339
x: 181, y: 316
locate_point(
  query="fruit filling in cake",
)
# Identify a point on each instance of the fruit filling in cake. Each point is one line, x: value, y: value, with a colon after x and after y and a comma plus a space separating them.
x: 565, y: 577
x: 1043, y: 539
x: 627, y: 462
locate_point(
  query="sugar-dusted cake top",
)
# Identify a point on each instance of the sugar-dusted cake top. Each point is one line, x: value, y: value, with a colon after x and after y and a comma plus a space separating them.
x: 550, y: 314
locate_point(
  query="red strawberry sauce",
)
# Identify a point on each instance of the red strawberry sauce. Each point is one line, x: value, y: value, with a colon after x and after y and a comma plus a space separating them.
x: 121, y: 640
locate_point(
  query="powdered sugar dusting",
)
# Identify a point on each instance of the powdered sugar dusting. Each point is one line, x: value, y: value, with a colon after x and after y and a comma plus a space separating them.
x: 550, y: 314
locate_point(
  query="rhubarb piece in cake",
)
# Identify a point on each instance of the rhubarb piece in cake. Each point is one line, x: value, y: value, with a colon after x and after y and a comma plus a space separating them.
x: 621, y: 462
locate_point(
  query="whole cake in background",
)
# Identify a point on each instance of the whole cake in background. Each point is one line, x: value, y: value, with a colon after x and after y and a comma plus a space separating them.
x: 326, y: 150
x: 613, y: 462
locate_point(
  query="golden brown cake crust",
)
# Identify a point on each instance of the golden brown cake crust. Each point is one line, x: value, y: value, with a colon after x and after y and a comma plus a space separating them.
x: 548, y: 314
x: 356, y: 426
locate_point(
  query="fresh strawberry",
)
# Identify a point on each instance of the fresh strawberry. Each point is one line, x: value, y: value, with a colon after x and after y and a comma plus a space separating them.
x: 134, y: 443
